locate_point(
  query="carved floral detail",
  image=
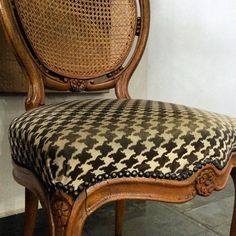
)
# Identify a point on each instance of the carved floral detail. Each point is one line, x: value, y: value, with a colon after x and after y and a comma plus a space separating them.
x: 206, y: 182
x: 61, y: 205
x: 77, y: 85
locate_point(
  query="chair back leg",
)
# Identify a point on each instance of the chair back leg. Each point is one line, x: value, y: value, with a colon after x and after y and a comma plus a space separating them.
x: 31, y: 207
x: 120, y: 214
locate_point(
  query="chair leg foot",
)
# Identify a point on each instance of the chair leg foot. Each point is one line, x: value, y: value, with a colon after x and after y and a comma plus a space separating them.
x: 120, y: 213
x: 31, y: 207
x: 233, y: 224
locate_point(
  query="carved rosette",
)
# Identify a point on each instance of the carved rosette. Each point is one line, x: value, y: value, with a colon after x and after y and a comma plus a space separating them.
x: 61, y: 205
x: 77, y: 85
x: 206, y: 182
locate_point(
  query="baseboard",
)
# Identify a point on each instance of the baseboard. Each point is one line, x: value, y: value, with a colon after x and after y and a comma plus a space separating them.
x: 11, y: 213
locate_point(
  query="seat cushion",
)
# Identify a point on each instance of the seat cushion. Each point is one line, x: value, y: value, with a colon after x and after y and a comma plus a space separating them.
x: 73, y: 145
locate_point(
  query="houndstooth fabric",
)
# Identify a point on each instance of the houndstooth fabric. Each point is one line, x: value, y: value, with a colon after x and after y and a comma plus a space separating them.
x: 73, y: 145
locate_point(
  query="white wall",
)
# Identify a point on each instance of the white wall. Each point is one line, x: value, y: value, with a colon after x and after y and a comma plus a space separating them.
x: 192, y: 53
x: 12, y: 194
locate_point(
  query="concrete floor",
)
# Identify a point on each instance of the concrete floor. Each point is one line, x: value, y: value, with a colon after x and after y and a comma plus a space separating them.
x: 200, y: 217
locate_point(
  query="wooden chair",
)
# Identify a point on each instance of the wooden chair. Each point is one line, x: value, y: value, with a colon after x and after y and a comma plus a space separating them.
x: 76, y: 156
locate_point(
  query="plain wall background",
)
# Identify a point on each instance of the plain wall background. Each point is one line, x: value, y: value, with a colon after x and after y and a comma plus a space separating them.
x: 192, y: 53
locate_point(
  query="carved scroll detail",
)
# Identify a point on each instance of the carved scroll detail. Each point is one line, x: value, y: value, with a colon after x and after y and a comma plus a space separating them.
x: 61, y: 205
x: 206, y: 182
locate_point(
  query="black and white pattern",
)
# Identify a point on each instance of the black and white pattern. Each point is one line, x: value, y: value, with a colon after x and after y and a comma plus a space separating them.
x: 73, y: 145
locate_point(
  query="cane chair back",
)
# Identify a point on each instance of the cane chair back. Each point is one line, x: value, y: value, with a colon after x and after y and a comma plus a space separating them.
x: 80, y: 45
x: 79, y: 39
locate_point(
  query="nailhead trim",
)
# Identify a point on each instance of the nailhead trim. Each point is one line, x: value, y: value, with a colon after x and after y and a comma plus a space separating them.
x: 127, y: 174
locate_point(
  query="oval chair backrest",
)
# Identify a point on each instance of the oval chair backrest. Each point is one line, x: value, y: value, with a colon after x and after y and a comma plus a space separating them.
x: 79, y: 39
x: 75, y: 43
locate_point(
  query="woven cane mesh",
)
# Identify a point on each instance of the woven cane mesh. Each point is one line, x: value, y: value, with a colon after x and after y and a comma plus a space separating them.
x: 79, y: 38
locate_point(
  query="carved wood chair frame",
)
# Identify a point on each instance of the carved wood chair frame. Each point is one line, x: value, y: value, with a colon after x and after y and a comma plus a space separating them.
x: 71, y: 222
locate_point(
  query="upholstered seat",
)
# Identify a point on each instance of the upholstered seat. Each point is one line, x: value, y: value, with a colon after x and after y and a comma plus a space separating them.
x: 73, y: 145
